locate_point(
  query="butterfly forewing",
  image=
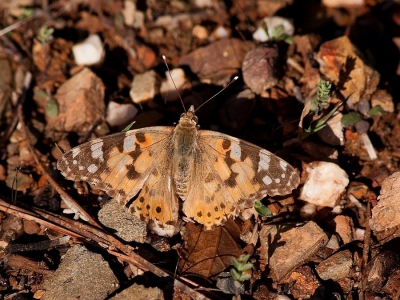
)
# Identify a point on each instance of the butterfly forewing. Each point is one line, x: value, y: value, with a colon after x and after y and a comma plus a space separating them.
x: 120, y: 163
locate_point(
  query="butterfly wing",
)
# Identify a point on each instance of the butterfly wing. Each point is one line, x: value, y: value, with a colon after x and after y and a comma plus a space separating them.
x: 157, y: 202
x: 233, y: 174
x: 124, y: 163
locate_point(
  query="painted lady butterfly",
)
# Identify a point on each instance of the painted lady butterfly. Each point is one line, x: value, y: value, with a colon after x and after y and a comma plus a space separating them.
x: 216, y: 175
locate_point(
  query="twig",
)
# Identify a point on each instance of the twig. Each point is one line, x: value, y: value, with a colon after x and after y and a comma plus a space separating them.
x: 27, y: 215
x: 366, y: 250
x: 21, y: 262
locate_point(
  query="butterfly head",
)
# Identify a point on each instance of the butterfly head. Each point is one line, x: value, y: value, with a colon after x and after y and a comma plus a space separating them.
x: 188, y: 119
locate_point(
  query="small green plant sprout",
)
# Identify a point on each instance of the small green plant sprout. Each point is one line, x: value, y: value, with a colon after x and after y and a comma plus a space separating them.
x: 319, y: 102
x: 51, y: 106
x: 376, y: 111
x: 314, y: 106
x: 278, y: 33
x: 262, y: 209
x: 27, y: 12
x: 241, y: 265
x: 353, y: 117
x: 45, y: 34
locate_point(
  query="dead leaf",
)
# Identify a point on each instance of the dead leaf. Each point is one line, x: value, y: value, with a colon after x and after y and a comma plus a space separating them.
x: 209, y: 252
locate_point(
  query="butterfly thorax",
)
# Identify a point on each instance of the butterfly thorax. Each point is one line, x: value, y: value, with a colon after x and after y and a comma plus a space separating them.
x: 185, y: 142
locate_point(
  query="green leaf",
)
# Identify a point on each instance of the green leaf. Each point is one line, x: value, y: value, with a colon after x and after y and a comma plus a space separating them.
x: 324, y: 88
x: 376, y: 111
x: 127, y: 128
x: 350, y: 119
x: 245, y: 267
x: 45, y: 34
x: 265, y: 27
x: 236, y: 263
x: 40, y: 94
x: 235, y: 274
x: 244, y: 258
x: 244, y: 277
x: 51, y: 108
x: 26, y: 13
x: 262, y: 209
x: 277, y: 32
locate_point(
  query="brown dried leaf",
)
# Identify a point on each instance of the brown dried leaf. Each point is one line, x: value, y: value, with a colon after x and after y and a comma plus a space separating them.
x: 209, y: 252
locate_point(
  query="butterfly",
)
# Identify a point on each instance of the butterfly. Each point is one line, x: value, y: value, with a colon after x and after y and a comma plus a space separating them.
x: 215, y: 175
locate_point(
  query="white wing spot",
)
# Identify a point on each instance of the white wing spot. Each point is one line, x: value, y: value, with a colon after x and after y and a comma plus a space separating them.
x: 80, y: 168
x: 129, y: 143
x: 75, y: 152
x: 169, y: 184
x: 277, y: 180
x: 267, y: 180
x: 236, y: 151
x: 92, y: 168
x: 263, y: 164
x: 283, y: 165
x: 97, y: 151
x: 74, y: 162
x: 283, y: 175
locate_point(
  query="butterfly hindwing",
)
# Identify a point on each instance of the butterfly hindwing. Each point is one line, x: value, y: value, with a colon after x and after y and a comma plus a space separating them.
x: 157, y: 202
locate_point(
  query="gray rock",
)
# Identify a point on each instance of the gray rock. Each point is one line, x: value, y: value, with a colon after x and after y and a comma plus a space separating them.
x: 82, y: 274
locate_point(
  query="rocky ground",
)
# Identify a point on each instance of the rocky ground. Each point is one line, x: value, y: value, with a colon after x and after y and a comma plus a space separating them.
x: 318, y: 85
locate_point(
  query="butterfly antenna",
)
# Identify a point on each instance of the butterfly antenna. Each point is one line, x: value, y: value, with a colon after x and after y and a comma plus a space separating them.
x: 233, y: 80
x: 170, y: 76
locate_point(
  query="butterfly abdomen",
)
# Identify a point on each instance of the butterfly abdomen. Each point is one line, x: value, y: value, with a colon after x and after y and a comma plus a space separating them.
x: 185, y: 142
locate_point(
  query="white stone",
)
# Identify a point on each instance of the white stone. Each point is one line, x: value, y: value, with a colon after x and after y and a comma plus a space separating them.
x: 120, y: 114
x: 324, y: 184
x: 132, y: 16
x: 168, y: 90
x: 203, y: 3
x: 200, y: 32
x: 308, y: 210
x: 129, y: 12
x: 359, y: 234
x: 333, y: 243
x: 89, y: 52
x: 341, y: 3
x: 144, y: 87
x: 220, y: 33
x: 272, y: 22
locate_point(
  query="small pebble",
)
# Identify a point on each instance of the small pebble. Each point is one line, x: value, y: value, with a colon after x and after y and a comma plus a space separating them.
x: 120, y: 114
x: 324, y: 184
x: 89, y: 52
x: 144, y: 87
x: 200, y: 32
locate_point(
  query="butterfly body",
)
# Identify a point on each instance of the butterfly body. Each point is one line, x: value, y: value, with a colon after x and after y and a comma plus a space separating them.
x: 216, y: 175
